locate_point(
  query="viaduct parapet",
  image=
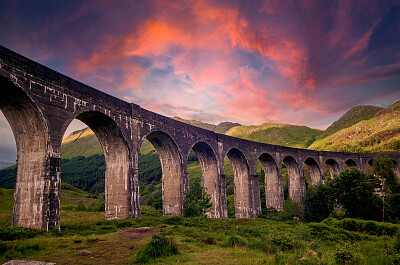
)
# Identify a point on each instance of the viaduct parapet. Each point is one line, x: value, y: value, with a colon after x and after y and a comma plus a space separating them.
x: 40, y: 103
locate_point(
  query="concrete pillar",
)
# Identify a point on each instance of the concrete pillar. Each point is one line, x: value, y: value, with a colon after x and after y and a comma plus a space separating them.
x: 211, y: 179
x: 296, y: 180
x: 174, y: 180
x: 273, y: 183
x: 246, y: 203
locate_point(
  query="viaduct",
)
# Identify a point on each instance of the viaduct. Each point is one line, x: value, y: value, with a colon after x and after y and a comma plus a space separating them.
x: 40, y: 103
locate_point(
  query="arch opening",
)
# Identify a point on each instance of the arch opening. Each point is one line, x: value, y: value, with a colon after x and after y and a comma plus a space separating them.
x: 331, y: 168
x: 82, y: 166
x: 296, y: 181
x: 274, y: 197
x: 174, y: 182
x: 36, y: 197
x: 120, y: 184
x: 313, y: 171
x: 246, y: 187
x: 210, y: 178
x: 350, y: 163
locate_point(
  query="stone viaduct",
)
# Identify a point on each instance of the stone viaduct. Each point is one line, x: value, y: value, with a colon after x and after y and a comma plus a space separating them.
x: 40, y: 103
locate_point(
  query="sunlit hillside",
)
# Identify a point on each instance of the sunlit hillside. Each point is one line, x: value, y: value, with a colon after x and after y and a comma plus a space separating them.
x: 277, y: 133
x: 380, y: 133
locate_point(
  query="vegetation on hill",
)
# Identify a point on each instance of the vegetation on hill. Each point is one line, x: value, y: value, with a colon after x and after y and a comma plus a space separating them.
x: 277, y: 133
x: 80, y: 143
x: 381, y: 133
x: 222, y: 127
x: 351, y: 117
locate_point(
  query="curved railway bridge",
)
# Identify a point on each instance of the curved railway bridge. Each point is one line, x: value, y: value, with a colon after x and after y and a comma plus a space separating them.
x: 40, y: 103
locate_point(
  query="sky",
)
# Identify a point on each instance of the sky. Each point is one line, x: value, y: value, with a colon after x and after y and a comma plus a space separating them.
x: 297, y: 62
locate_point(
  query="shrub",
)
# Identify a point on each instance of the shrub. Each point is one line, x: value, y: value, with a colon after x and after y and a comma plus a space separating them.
x: 159, y: 246
x: 283, y: 241
x: 235, y: 241
x: 396, y: 145
x: 81, y: 206
x: 197, y: 201
x: 397, y: 244
x: 316, y: 203
x: 290, y: 210
x: 347, y: 254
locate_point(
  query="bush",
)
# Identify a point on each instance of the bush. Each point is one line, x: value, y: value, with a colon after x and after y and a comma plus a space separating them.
x: 316, y: 203
x: 396, y: 145
x: 346, y: 254
x: 371, y: 227
x: 159, y: 246
x: 283, y: 241
x: 197, y: 201
x: 290, y: 210
x: 81, y: 207
x: 235, y: 241
x: 397, y: 244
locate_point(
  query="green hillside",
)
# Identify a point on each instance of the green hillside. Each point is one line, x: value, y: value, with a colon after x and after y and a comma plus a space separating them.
x: 351, y: 117
x: 80, y: 143
x: 381, y: 133
x: 222, y: 127
x: 277, y: 133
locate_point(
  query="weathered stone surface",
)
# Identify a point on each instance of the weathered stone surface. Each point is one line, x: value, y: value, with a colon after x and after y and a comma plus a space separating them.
x: 40, y: 103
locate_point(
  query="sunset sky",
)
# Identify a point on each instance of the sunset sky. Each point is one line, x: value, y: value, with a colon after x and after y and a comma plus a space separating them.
x: 297, y: 62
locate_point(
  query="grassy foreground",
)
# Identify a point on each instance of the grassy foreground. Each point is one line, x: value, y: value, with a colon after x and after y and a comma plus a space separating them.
x: 199, y: 240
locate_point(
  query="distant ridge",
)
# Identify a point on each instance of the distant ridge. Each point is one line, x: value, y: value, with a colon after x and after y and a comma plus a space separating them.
x: 277, y: 134
x: 380, y: 133
x: 351, y: 117
x: 222, y: 127
x: 4, y: 164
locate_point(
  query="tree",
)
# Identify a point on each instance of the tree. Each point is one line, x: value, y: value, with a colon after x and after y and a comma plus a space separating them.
x: 383, y: 168
x: 197, y: 201
x: 356, y: 195
x: 317, y: 203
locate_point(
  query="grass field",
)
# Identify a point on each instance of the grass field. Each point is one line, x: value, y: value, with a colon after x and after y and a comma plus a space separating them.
x: 199, y: 240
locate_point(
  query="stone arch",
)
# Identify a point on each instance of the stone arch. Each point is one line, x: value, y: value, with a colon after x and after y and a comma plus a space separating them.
x: 315, y: 172
x: 333, y: 167
x: 273, y: 182
x: 174, y: 181
x: 36, y: 197
x: 351, y: 163
x: 121, y: 185
x: 246, y: 187
x: 296, y: 180
x: 210, y: 178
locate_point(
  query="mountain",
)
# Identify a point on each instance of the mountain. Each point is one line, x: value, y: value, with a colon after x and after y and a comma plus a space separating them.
x: 80, y: 143
x: 5, y: 164
x: 351, y: 117
x: 381, y: 133
x: 277, y: 134
x: 222, y: 127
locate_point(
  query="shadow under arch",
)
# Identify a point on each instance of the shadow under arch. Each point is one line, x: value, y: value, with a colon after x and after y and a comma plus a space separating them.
x: 246, y: 187
x: 333, y: 167
x: 174, y: 182
x: 36, y: 192
x: 121, y: 189
x: 315, y: 172
x: 351, y: 163
x: 296, y: 181
x: 210, y: 179
x: 273, y: 183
